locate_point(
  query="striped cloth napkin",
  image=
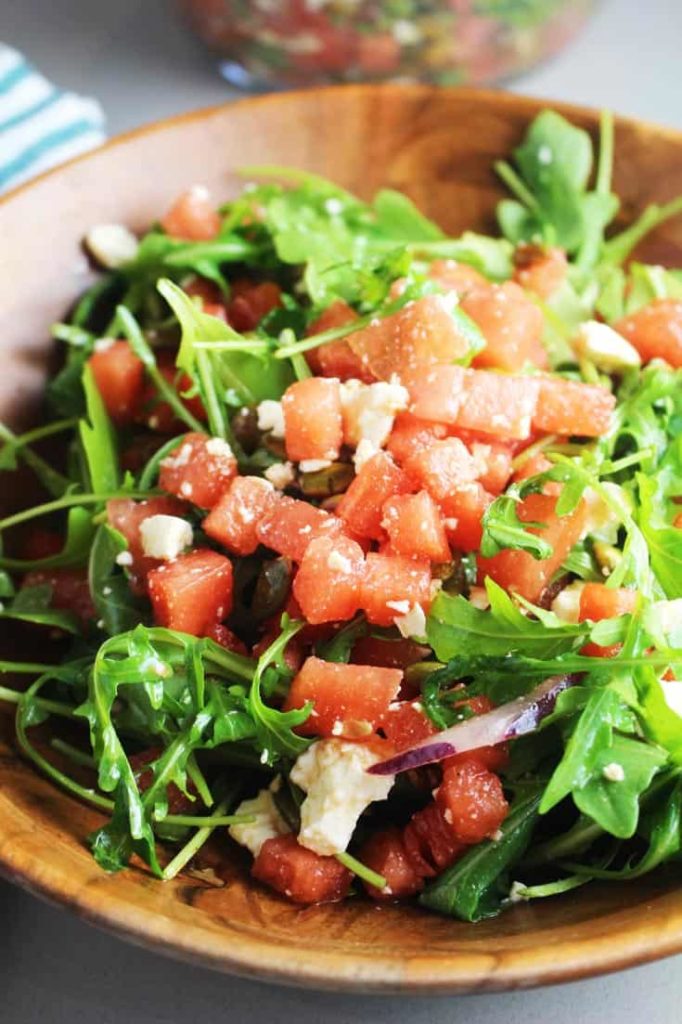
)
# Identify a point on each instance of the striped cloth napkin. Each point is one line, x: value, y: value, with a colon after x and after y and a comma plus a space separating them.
x: 40, y: 126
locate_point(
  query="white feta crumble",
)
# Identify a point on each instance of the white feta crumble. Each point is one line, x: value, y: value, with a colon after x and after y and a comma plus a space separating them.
x: 179, y: 458
x: 672, y: 691
x: 124, y: 558
x: 517, y: 893
x: 219, y: 447
x: 413, y: 623
x: 314, y: 465
x: 186, y: 489
x: 402, y: 607
x: 613, y: 772
x: 365, y: 451
x: 333, y: 774
x: 566, y: 605
x: 269, y: 822
x: 112, y: 245
x: 607, y: 349
x: 339, y: 563
x: 280, y: 474
x: 369, y: 410
x: 271, y: 417
x: 165, y: 536
x: 601, y: 521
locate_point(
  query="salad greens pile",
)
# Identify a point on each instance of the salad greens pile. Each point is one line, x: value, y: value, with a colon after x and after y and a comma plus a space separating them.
x: 211, y: 717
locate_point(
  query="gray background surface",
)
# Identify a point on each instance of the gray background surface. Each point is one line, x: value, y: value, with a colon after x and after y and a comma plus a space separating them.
x: 135, y: 58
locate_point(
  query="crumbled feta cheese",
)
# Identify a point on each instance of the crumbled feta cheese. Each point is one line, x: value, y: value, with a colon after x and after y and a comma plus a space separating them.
x: 478, y: 597
x: 413, y: 623
x: 333, y: 205
x: 106, y: 591
x: 613, y: 772
x: 280, y: 475
x: 271, y: 417
x: 672, y: 691
x: 269, y: 822
x: 165, y: 536
x: 339, y: 563
x: 124, y: 558
x: 668, y: 614
x: 601, y: 522
x: 333, y: 774
x: 399, y: 606
x: 365, y: 451
x: 370, y: 409
x: 218, y: 447
x: 497, y: 835
x: 314, y: 465
x: 566, y: 605
x: 607, y: 349
x: 112, y: 245
x: 103, y: 344
x: 517, y: 893
x: 186, y: 489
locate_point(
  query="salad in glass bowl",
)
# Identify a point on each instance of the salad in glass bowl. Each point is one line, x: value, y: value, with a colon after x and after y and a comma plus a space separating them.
x: 449, y: 42
x: 364, y: 543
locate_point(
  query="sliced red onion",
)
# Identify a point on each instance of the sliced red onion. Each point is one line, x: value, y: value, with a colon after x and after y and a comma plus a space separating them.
x: 506, y: 722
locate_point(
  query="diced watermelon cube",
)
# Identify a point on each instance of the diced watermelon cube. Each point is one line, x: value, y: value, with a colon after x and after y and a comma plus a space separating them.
x: 385, y: 853
x: 417, y: 336
x: 336, y: 358
x: 199, y: 470
x: 362, y: 505
x: 249, y: 302
x: 299, y: 874
x: 313, y: 424
x: 456, y: 277
x: 192, y: 593
x: 392, y: 586
x: 192, y: 216
x: 415, y: 528
x: 119, y: 376
x: 442, y: 467
x: 540, y: 269
x: 327, y: 584
x: 655, y: 331
x: 410, y: 435
x: 464, y: 510
x: 511, y: 324
x: 127, y: 516
x: 406, y: 723
x: 472, y: 801
x: 349, y: 701
x: 569, y: 408
x: 234, y: 519
x: 290, y: 525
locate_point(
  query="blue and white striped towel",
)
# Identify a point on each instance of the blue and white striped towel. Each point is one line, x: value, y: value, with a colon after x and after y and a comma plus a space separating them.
x: 40, y: 126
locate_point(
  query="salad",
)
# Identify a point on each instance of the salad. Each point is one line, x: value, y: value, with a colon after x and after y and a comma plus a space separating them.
x: 450, y: 42
x: 360, y: 546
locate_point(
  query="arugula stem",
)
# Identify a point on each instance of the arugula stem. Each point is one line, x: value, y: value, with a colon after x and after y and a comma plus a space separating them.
x: 53, y: 481
x: 197, y: 776
x: 54, y: 707
x: 68, y: 501
x: 73, y: 753
x: 192, y: 847
x: 605, y: 166
x: 361, y: 870
x: 208, y: 821
x: 140, y: 346
x: 516, y: 185
x: 294, y: 348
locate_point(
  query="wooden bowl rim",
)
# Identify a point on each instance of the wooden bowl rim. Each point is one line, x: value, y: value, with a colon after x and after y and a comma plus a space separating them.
x: 432, y: 972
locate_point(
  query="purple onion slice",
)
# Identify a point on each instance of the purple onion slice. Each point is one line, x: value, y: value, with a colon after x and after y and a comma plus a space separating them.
x: 506, y: 722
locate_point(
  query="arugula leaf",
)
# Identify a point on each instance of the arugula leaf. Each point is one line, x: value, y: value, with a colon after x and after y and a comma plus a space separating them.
x: 614, y: 804
x: 116, y: 606
x: 592, y: 734
x: 32, y: 604
x: 455, y: 628
x: 398, y: 218
x: 664, y: 541
x: 98, y: 440
x: 79, y: 534
x: 475, y: 886
x: 503, y: 529
x: 274, y: 728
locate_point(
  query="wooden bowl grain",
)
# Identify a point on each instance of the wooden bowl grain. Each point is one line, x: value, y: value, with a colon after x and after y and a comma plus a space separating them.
x: 438, y: 146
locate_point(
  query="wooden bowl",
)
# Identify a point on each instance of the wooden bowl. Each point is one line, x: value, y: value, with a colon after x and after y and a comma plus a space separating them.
x: 438, y: 146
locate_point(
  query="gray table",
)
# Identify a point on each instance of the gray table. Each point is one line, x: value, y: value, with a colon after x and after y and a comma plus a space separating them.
x: 134, y: 57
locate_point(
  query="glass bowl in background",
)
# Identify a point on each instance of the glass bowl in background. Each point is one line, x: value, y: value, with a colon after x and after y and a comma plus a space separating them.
x: 266, y: 44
